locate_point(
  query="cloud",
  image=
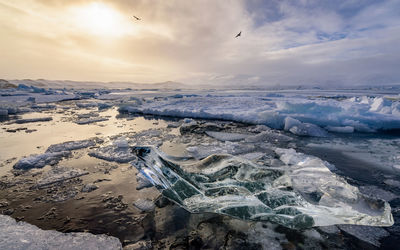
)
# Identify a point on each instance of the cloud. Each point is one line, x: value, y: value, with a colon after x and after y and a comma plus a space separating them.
x: 283, y: 42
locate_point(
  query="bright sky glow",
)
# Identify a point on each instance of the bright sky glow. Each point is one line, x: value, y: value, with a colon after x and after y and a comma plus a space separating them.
x: 341, y: 42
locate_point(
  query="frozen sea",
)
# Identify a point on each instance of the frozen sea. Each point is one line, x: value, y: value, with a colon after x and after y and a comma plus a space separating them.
x: 199, y: 169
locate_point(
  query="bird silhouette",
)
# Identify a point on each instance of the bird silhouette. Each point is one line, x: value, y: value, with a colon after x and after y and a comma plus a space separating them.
x: 137, y: 18
x: 239, y: 34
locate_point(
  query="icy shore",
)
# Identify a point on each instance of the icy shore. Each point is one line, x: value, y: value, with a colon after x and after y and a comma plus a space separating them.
x: 21, y: 235
x: 362, y: 114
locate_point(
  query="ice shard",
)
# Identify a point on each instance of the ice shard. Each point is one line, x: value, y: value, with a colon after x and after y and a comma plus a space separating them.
x: 302, y: 193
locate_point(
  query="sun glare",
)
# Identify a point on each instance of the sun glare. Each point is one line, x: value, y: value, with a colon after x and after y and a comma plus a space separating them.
x: 100, y: 19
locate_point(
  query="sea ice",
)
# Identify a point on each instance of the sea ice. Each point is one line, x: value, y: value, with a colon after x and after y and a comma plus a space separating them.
x: 40, y: 119
x: 268, y: 136
x: 41, y: 160
x: 223, y: 136
x: 142, y: 181
x: 118, y: 152
x: 21, y: 235
x: 302, y: 193
x: 90, y: 120
x: 363, y: 114
x: 70, y: 145
x: 303, y: 129
x: 59, y: 174
x: 345, y: 129
x: 145, y: 205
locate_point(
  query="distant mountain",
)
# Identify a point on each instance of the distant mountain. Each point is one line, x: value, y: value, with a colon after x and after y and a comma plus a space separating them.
x: 4, y: 84
x: 43, y: 83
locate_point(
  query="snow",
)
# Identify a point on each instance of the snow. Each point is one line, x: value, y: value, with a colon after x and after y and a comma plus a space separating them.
x: 21, y: 235
x: 59, y: 174
x: 364, y: 114
x: 41, y: 160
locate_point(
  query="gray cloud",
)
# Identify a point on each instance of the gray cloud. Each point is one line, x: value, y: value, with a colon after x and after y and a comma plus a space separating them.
x: 283, y: 42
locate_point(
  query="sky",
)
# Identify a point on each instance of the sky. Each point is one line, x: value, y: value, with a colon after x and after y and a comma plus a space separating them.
x: 283, y: 42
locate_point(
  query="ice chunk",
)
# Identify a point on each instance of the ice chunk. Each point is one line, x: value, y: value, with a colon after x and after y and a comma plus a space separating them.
x: 121, y: 143
x: 91, y: 120
x: 114, y: 153
x: 222, y: 136
x: 39, y: 161
x: 102, y: 106
x: 234, y: 148
x: 40, y: 119
x: 142, y: 181
x: 378, y: 103
x: 21, y: 235
x: 89, y: 187
x: 345, y: 129
x: 303, y: 129
x: 371, y: 235
x: 59, y: 174
x: 145, y: 205
x: 268, y: 136
x: 70, y: 145
x: 300, y: 195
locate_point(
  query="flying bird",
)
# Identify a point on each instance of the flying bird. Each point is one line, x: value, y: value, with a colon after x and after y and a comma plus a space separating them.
x: 137, y: 18
x: 239, y: 34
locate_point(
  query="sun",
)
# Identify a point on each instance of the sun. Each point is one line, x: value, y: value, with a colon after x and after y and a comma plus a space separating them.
x: 100, y: 19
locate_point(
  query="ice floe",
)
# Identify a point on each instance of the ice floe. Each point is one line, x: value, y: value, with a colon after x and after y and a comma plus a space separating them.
x: 39, y: 119
x: 41, y: 160
x: 223, y: 136
x: 362, y: 114
x: 301, y: 194
x: 119, y: 151
x: 70, y: 145
x: 59, y: 174
x: 84, y: 121
x: 21, y: 235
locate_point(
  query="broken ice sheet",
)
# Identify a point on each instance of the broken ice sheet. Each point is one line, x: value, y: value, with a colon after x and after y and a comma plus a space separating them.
x: 59, y: 174
x: 301, y: 194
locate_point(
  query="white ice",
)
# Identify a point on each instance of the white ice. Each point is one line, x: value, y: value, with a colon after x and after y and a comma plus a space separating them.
x: 21, y: 235
x: 41, y: 160
x: 365, y: 114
